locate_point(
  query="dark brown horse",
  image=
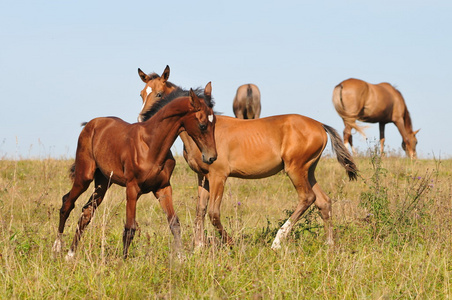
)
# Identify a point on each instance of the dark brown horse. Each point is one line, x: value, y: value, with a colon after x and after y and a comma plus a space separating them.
x: 256, y: 149
x: 247, y: 102
x: 355, y: 99
x: 137, y: 156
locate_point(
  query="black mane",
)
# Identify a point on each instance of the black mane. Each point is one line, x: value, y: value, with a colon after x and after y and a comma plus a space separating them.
x: 178, y: 92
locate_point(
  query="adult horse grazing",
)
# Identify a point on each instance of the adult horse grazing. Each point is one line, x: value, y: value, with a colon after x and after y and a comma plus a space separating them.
x: 137, y: 156
x: 355, y: 99
x: 256, y: 149
x: 247, y: 102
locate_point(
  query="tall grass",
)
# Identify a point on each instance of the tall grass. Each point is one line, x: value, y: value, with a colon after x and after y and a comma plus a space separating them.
x: 392, y: 237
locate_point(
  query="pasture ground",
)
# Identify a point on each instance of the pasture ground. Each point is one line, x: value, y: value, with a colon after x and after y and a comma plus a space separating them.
x: 392, y: 237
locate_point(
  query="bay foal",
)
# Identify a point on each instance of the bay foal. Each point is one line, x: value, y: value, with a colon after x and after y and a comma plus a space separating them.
x: 137, y: 156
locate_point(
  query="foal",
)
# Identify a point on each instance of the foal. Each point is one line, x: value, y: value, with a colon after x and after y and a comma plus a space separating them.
x: 137, y: 156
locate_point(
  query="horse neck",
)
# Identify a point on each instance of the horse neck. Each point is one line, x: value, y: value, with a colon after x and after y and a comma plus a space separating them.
x: 407, y: 121
x: 189, y: 145
x: 163, y: 128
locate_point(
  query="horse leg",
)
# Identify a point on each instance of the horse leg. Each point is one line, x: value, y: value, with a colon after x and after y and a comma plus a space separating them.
x: 382, y: 137
x: 348, y: 138
x: 132, y: 194
x: 201, y: 209
x: 323, y: 203
x: 216, y: 195
x: 306, y: 197
x: 82, y: 180
x: 164, y: 195
x: 257, y: 111
x: 101, y: 184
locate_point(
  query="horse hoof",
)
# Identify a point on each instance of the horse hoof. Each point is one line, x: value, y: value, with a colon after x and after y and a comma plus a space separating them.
x: 329, y: 243
x: 182, y: 257
x: 70, y: 255
x: 57, y: 246
x: 276, y: 246
x: 199, y: 245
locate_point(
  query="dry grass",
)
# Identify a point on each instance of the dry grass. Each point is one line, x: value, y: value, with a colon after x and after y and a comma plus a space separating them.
x: 392, y: 235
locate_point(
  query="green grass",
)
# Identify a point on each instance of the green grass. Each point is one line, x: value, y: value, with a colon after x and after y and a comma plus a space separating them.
x: 392, y: 237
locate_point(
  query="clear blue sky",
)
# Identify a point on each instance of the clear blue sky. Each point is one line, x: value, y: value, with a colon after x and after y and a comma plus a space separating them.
x: 65, y: 62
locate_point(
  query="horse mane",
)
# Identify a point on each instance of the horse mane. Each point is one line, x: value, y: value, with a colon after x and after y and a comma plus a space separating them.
x: 407, y: 120
x: 153, y: 76
x: 177, y: 93
x: 406, y: 114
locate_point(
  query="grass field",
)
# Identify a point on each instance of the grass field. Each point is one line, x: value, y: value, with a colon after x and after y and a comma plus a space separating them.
x: 392, y: 237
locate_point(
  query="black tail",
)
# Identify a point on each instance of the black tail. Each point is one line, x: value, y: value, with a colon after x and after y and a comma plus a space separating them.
x: 343, y: 156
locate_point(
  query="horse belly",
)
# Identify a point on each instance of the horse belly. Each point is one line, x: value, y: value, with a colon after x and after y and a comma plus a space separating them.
x: 257, y: 172
x: 376, y: 114
x: 378, y: 106
x: 256, y: 164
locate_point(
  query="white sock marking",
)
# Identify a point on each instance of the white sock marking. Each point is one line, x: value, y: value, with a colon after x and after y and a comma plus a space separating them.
x: 282, y: 233
x: 70, y: 255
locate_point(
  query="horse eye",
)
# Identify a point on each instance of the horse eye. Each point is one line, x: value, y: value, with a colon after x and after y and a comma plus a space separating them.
x: 159, y: 95
x: 203, y: 127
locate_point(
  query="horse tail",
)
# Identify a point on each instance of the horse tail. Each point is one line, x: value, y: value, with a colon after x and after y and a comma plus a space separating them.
x: 249, y: 95
x: 72, y: 168
x: 249, y: 109
x: 337, y: 98
x: 249, y: 91
x: 349, y: 119
x: 343, y: 156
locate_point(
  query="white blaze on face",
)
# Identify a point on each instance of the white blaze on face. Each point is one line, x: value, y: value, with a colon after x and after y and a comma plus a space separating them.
x: 148, y: 91
x: 210, y: 118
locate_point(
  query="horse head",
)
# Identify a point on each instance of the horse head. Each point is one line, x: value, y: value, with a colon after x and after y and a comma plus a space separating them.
x: 410, y: 147
x: 156, y: 87
x: 200, y: 125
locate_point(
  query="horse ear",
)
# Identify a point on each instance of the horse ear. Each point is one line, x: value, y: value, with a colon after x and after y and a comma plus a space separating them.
x: 208, y: 90
x: 416, y: 131
x: 194, y: 101
x: 166, y: 72
x: 143, y: 76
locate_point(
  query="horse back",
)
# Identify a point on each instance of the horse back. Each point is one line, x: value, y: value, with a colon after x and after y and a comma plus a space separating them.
x: 261, y: 147
x: 106, y: 130
x: 103, y: 141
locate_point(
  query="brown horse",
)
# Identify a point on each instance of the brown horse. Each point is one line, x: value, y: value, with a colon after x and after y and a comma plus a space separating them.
x: 137, y: 156
x: 256, y: 149
x: 355, y: 99
x: 247, y: 102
